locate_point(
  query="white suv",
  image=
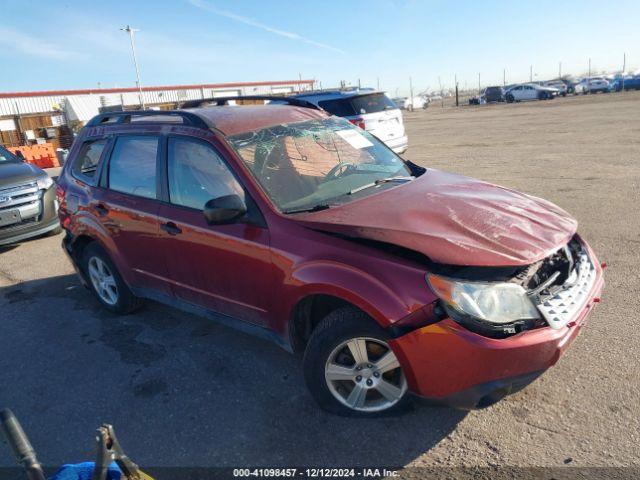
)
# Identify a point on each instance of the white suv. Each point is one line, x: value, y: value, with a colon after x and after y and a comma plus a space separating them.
x: 370, y: 110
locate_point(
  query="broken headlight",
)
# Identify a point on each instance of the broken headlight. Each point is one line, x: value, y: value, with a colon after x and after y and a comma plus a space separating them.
x: 497, y: 303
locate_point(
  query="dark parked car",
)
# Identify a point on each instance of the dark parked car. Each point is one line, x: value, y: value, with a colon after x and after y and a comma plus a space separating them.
x: 494, y: 94
x: 28, y: 205
x: 307, y: 230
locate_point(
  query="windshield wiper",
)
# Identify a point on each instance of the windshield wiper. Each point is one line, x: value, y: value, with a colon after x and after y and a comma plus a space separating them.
x: 315, y: 208
x: 380, y: 182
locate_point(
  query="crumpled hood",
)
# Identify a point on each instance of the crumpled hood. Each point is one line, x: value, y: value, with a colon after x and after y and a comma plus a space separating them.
x: 454, y: 220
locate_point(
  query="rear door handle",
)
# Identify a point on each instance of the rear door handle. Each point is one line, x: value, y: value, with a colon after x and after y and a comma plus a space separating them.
x: 101, y: 209
x: 171, y: 228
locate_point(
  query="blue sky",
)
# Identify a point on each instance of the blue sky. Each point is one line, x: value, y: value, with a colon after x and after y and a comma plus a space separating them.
x: 77, y: 44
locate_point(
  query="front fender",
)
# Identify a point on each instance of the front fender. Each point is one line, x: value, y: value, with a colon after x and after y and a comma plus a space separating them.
x: 355, y: 286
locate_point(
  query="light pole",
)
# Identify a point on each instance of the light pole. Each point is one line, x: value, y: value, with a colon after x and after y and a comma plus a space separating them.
x: 131, y: 32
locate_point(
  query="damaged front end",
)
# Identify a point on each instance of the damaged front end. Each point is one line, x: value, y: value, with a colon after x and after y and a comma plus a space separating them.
x: 502, y: 327
x: 500, y: 302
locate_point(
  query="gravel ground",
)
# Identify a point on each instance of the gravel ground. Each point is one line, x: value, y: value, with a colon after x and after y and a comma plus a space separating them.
x: 184, y: 392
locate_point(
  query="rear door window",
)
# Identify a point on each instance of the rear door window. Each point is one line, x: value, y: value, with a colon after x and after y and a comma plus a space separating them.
x: 85, y: 165
x: 132, y: 168
x: 358, y: 105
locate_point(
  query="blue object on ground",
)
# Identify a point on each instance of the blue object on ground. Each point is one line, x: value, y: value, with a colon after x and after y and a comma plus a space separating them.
x: 83, y: 471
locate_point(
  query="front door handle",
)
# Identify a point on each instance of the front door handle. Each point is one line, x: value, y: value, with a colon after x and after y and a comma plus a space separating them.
x: 171, y: 228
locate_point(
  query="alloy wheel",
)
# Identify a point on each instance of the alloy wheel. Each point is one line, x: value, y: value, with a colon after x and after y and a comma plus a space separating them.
x: 103, y: 281
x: 364, y: 374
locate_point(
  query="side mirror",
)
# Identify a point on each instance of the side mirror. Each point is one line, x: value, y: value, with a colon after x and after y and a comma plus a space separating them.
x: 225, y: 209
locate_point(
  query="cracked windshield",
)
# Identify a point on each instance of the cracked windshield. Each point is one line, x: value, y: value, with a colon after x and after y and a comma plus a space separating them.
x: 315, y: 164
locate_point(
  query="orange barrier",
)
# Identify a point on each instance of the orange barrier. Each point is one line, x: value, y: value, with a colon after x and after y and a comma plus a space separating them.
x: 42, y: 155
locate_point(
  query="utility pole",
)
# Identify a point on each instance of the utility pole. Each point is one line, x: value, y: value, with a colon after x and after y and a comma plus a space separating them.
x: 531, y: 74
x: 589, y: 76
x: 559, y: 69
x: 411, y: 90
x: 479, y: 89
x: 504, y: 77
x: 624, y: 63
x: 377, y: 83
x: 456, y: 83
x: 131, y: 32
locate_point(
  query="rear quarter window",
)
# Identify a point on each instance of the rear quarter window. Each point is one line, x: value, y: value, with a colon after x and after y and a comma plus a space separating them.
x: 340, y: 107
x: 85, y: 165
x: 360, y: 105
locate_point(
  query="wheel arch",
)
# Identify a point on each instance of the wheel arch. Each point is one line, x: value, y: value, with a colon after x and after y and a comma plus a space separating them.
x: 86, y: 230
x: 325, y: 287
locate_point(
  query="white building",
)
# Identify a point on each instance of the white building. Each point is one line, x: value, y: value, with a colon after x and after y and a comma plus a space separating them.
x: 83, y: 104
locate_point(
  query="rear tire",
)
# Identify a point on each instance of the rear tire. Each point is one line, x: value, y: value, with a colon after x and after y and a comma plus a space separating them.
x: 350, y: 369
x: 106, y: 282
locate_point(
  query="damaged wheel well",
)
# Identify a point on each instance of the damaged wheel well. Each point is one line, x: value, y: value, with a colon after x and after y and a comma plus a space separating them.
x: 306, y: 315
x: 79, y: 244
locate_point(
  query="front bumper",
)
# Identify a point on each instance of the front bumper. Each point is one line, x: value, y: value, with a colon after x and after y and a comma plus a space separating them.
x: 46, y: 221
x: 448, y: 363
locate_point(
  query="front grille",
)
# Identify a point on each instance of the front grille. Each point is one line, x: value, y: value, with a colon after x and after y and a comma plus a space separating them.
x: 24, y: 199
x: 561, y: 304
x: 19, y: 195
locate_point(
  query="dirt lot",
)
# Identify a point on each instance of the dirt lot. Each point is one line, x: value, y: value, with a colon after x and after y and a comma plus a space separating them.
x: 184, y: 392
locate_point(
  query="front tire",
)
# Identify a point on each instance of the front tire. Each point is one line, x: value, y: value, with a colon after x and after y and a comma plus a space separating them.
x: 106, y: 282
x: 350, y: 369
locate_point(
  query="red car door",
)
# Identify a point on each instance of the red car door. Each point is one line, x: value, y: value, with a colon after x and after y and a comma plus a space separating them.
x: 225, y: 268
x: 127, y: 206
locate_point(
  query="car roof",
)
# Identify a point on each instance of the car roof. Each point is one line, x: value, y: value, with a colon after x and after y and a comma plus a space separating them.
x: 335, y: 94
x: 234, y: 119
x: 227, y: 119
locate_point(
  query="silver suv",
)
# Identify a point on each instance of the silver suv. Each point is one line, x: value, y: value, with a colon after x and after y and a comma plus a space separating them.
x: 368, y: 109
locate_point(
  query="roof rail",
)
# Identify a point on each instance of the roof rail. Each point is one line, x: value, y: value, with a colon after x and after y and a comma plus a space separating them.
x: 219, y: 101
x: 112, y: 118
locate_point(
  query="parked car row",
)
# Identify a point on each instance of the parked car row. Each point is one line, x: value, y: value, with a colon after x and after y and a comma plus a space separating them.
x: 515, y: 93
x: 554, y: 88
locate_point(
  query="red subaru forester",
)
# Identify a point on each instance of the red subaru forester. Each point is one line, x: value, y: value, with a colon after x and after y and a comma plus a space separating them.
x: 282, y: 220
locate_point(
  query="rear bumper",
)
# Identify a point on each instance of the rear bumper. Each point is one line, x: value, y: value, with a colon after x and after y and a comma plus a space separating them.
x: 398, y: 145
x: 448, y: 363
